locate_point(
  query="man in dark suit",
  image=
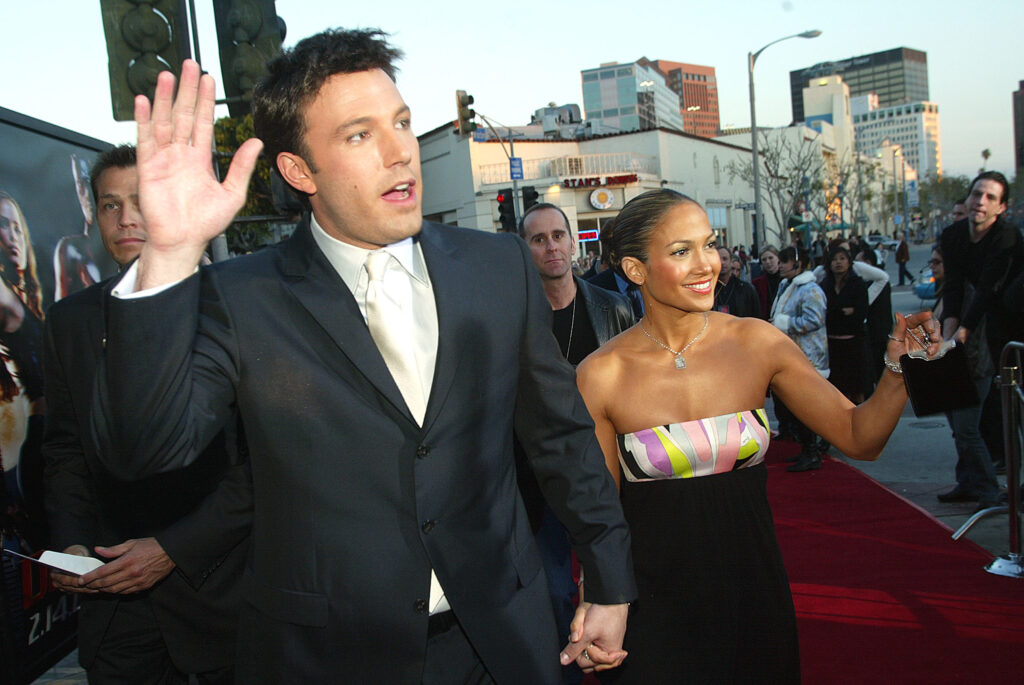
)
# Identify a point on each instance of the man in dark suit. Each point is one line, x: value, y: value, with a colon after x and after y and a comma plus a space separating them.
x: 380, y: 365
x: 166, y: 604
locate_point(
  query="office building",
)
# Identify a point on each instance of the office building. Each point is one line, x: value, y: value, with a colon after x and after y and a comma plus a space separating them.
x: 629, y: 97
x: 913, y: 126
x: 898, y: 76
x: 697, y: 89
x: 827, y: 99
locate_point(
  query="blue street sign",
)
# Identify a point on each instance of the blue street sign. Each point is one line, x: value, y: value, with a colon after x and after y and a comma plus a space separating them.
x: 515, y: 167
x: 480, y: 135
x: 898, y: 219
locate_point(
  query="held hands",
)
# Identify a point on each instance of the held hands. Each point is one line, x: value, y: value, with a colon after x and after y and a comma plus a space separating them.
x: 182, y: 202
x: 914, y: 332
x: 139, y: 565
x: 595, y: 643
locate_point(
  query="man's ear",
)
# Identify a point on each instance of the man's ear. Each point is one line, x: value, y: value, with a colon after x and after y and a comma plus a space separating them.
x: 296, y: 172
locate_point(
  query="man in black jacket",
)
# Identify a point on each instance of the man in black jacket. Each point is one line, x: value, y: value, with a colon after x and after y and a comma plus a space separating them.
x: 734, y: 295
x: 165, y: 605
x: 982, y: 254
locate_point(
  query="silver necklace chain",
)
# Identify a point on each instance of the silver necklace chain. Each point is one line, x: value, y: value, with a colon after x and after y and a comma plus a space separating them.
x: 680, y: 360
x: 572, y: 326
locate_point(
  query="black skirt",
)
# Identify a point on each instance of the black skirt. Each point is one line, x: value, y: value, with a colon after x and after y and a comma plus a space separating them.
x: 714, y: 603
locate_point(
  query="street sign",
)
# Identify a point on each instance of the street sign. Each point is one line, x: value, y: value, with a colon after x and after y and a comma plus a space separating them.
x: 913, y: 197
x: 515, y: 166
x: 480, y: 135
x: 746, y: 205
x: 898, y: 219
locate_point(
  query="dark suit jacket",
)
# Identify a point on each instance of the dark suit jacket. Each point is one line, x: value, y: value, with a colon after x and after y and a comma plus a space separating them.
x: 355, y: 502
x: 200, y: 515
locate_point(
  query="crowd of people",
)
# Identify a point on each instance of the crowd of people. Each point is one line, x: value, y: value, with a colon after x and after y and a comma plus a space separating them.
x: 331, y: 445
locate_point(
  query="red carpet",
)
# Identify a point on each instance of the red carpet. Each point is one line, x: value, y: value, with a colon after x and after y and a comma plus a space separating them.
x: 882, y: 593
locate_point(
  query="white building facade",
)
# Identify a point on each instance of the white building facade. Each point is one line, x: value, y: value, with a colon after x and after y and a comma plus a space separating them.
x: 589, y: 179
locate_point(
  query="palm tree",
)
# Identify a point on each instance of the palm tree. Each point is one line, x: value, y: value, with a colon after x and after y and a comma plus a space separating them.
x: 985, y: 154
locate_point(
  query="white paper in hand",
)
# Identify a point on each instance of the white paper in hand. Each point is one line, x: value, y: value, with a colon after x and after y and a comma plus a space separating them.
x: 68, y: 563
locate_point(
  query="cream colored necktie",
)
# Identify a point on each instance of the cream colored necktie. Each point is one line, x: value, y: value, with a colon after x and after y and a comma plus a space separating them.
x: 392, y: 330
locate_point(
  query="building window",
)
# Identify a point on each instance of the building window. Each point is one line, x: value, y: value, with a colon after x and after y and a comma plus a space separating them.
x: 624, y: 71
x: 607, y: 74
x: 718, y: 217
x: 613, y: 112
x: 588, y: 77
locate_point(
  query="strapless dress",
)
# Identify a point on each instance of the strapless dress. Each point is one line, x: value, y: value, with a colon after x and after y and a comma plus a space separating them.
x: 714, y: 603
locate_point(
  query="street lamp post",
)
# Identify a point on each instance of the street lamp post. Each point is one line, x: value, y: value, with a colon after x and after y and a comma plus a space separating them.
x: 895, y: 196
x: 759, y: 233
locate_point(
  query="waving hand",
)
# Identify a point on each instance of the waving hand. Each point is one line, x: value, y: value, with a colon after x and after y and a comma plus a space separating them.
x: 182, y: 202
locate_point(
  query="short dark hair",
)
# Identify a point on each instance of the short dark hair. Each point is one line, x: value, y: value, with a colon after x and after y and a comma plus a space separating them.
x: 961, y: 201
x: 631, y: 233
x: 992, y: 176
x: 296, y: 76
x: 868, y: 253
x: 791, y: 254
x: 536, y: 208
x: 120, y: 157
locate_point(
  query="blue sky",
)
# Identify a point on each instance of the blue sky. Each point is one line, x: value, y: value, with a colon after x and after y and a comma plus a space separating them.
x: 516, y: 57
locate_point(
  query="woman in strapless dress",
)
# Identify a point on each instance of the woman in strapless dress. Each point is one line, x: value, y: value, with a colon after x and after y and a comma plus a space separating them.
x: 677, y: 405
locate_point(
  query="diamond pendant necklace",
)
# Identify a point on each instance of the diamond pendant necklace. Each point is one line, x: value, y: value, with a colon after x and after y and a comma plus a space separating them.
x: 680, y: 360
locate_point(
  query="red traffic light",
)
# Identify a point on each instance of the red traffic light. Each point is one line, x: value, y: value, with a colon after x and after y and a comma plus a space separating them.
x: 501, y: 197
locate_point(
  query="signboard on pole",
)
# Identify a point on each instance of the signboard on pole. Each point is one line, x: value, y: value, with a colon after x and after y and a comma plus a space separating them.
x: 913, y: 197
x: 515, y: 166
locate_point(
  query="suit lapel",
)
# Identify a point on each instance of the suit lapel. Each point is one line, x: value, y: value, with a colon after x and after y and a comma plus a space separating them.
x: 320, y: 290
x: 449, y: 276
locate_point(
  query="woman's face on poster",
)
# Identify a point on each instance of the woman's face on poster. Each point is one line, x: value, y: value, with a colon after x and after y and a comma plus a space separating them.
x: 12, y: 234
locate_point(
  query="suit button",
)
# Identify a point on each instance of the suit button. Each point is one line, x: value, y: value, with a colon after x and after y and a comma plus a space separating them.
x: 428, y: 526
x: 420, y: 605
x: 422, y: 451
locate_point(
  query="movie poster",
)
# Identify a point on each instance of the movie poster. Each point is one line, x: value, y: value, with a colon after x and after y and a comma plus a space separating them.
x: 49, y: 248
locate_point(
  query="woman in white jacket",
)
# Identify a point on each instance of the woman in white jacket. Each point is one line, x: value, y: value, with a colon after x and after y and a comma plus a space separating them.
x: 799, y: 312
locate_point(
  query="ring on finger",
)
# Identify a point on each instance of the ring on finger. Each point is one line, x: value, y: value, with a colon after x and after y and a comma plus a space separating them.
x: 586, y: 656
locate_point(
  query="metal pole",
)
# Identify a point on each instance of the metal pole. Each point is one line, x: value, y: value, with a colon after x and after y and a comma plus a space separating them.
x: 515, y: 184
x: 1010, y: 377
x: 759, y: 233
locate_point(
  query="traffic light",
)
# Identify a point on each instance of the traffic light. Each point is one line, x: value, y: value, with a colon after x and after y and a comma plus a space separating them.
x: 506, y: 210
x: 249, y: 34
x: 464, y: 115
x: 530, y: 197
x: 143, y: 39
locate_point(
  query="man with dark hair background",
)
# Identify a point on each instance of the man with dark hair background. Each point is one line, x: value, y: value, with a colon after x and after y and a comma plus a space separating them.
x: 380, y: 364
x: 165, y: 605
x: 981, y: 255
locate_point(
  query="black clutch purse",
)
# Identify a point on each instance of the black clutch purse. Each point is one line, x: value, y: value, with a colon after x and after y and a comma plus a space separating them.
x: 939, y: 384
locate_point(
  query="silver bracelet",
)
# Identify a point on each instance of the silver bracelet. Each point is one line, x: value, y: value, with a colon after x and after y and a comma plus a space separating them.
x: 891, y: 365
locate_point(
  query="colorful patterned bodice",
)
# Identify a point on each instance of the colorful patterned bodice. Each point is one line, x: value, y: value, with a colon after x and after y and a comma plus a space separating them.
x: 701, y: 447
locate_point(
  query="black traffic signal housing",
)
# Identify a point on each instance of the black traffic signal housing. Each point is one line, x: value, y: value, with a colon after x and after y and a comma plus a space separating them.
x: 143, y: 39
x: 530, y: 197
x: 506, y: 210
x: 249, y: 35
x: 464, y: 115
